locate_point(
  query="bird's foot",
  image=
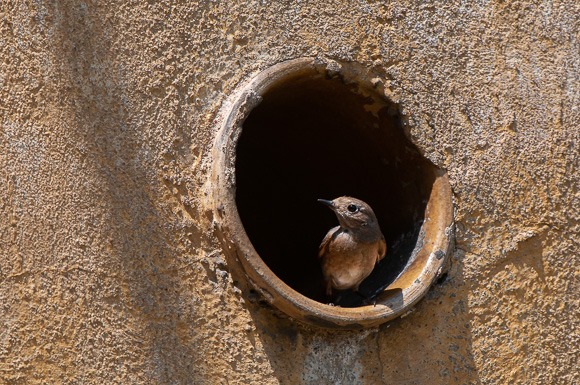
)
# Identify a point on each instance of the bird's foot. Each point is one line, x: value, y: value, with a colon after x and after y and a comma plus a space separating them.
x: 366, y: 300
x: 370, y: 301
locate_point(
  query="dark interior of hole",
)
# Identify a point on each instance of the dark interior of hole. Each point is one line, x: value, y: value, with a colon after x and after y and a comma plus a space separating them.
x: 313, y: 138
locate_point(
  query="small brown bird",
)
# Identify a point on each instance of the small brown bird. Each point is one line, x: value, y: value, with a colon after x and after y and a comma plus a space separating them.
x: 350, y: 251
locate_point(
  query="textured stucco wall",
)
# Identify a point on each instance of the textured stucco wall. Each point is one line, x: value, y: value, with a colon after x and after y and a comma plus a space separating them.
x: 110, y: 271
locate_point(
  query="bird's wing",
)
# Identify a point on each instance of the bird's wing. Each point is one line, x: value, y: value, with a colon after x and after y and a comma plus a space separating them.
x: 323, y: 248
x: 382, y: 249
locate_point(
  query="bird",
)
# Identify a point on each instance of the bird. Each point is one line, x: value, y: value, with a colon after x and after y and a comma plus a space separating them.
x: 350, y: 251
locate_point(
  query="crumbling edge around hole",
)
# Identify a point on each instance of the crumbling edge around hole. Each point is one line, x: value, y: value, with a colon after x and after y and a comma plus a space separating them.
x: 400, y: 296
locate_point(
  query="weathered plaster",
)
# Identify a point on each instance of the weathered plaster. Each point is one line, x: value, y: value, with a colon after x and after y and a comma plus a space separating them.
x: 110, y: 271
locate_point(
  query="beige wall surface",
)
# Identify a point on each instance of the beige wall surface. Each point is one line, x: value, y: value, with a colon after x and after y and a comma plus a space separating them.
x: 110, y: 268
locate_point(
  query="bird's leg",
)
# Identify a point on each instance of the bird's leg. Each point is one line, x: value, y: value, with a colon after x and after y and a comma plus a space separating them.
x: 366, y: 300
x: 329, y: 296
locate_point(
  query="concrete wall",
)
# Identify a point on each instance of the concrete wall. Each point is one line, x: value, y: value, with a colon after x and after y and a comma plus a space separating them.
x: 110, y: 271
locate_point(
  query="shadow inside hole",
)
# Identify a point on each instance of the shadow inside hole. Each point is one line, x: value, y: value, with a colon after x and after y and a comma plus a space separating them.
x: 316, y: 138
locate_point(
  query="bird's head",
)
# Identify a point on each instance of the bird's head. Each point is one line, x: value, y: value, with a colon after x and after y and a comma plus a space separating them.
x: 352, y: 213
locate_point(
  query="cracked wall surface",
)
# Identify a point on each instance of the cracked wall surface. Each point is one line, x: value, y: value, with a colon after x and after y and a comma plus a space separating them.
x: 110, y: 269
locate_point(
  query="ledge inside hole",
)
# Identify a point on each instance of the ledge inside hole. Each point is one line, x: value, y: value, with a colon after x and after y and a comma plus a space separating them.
x: 319, y: 137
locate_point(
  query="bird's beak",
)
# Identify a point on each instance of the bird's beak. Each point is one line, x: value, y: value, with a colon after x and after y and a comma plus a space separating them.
x: 327, y: 203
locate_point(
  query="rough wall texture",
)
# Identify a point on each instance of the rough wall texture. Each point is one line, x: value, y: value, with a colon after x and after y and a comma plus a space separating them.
x: 110, y: 271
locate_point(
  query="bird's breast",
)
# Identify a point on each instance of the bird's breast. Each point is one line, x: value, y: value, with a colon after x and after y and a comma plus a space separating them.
x: 348, y: 261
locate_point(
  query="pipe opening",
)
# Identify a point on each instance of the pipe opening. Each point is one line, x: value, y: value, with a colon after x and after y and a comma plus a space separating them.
x: 318, y: 136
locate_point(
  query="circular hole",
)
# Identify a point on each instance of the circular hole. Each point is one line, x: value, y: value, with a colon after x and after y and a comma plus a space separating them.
x: 299, y: 132
x: 314, y: 138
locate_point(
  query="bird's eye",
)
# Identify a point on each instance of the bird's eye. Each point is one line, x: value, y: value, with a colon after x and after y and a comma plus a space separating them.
x: 352, y: 208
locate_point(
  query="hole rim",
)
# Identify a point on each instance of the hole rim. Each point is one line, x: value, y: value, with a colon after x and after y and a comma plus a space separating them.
x: 396, y: 299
